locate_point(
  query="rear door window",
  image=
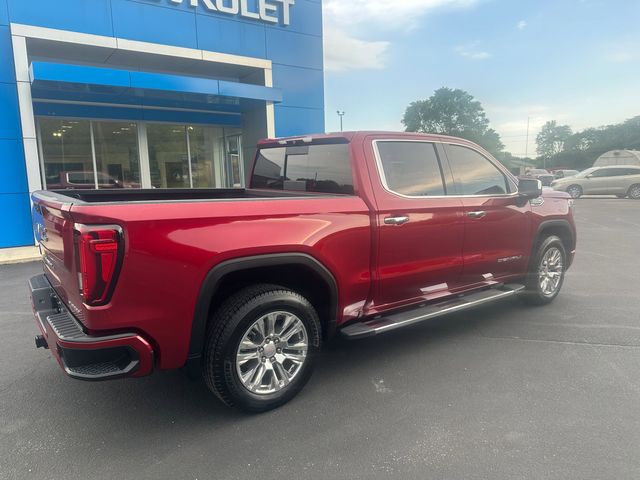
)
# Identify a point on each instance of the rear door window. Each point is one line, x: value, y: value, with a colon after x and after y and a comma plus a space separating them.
x: 605, y: 172
x: 309, y: 168
x: 474, y: 174
x: 411, y: 168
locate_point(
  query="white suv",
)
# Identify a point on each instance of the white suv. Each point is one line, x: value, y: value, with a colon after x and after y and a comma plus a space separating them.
x: 621, y: 181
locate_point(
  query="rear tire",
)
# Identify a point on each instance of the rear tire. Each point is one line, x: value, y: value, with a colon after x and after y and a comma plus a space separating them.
x: 546, y: 272
x: 634, y: 191
x: 575, y: 191
x: 252, y: 359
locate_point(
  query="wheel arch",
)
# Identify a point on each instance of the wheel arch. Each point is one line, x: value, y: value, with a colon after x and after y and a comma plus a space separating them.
x: 298, y: 271
x: 560, y: 228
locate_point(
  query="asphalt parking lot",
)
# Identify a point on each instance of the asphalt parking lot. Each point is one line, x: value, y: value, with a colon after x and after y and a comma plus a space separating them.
x: 504, y: 392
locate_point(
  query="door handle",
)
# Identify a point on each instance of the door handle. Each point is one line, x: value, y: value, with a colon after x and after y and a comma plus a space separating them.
x: 477, y: 214
x: 396, y: 220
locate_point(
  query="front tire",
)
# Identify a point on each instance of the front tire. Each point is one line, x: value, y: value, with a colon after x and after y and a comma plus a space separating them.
x: 261, y: 347
x: 575, y: 191
x: 546, y: 272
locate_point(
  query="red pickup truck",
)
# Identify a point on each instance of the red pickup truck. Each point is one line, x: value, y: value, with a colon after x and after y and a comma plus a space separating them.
x: 354, y: 233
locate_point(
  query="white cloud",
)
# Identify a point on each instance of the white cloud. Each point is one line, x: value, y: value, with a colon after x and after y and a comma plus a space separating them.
x: 397, y: 14
x: 622, y: 56
x: 472, y: 52
x: 350, y: 25
x: 343, y: 52
x: 522, y: 24
x: 625, y: 51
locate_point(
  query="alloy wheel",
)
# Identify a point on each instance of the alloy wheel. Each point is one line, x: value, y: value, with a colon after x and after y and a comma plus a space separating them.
x: 272, y: 352
x: 550, y: 272
x: 575, y: 191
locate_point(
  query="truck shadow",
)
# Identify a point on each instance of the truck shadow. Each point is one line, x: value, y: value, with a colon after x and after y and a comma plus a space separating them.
x: 172, y: 400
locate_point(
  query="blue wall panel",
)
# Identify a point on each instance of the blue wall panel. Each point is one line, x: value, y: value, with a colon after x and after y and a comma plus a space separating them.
x: 13, y: 177
x: 4, y: 13
x: 227, y: 36
x: 150, y: 22
x: 18, y: 231
x: 306, y: 17
x: 292, y: 121
x: 86, y: 16
x: 9, y: 116
x: 7, y: 70
x: 290, y: 48
x: 301, y: 87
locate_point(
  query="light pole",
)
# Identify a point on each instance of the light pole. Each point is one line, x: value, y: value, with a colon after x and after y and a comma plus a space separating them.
x: 341, y: 115
x: 526, y: 148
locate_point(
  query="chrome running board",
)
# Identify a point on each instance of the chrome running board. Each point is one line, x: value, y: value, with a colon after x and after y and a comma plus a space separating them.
x: 406, y: 318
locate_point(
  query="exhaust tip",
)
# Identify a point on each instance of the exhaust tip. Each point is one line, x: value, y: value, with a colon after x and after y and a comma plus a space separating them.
x: 41, y: 342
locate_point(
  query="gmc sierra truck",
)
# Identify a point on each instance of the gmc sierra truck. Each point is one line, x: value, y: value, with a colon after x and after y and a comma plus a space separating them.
x: 355, y: 234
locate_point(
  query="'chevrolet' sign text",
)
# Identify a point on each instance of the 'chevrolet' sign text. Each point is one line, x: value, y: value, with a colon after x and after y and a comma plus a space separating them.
x: 266, y: 10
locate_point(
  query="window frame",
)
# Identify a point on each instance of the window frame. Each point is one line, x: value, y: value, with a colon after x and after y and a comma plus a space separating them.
x: 437, y: 146
x: 510, y: 179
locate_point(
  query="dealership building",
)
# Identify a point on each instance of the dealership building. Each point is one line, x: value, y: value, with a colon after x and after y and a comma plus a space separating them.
x: 148, y: 93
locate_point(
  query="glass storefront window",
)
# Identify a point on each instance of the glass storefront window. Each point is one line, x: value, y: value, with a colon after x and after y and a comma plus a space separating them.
x: 205, y: 144
x: 105, y: 154
x: 168, y: 157
x: 67, y: 153
x: 117, y: 159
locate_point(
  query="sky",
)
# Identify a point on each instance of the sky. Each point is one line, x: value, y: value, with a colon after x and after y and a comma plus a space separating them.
x: 573, y: 61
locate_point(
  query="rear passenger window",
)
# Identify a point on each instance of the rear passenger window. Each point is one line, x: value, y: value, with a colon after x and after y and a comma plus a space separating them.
x: 312, y: 168
x: 411, y: 168
x: 474, y: 174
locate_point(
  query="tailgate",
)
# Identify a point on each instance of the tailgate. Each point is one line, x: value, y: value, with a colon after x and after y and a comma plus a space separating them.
x: 54, y: 229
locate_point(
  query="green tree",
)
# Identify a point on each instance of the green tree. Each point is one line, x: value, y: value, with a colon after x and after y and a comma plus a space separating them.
x: 453, y: 112
x: 552, y: 138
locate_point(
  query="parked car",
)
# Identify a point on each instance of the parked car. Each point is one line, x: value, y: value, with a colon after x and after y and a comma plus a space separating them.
x: 622, y: 181
x: 540, y: 174
x: 354, y: 234
x: 546, y: 179
x: 564, y: 173
x: 82, y: 180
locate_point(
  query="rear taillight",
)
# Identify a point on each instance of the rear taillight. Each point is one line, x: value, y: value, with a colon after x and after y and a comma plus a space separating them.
x: 100, y: 251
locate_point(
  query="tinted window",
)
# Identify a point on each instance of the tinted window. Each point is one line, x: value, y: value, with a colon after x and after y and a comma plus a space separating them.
x: 474, y: 174
x: 314, y: 168
x: 411, y: 168
x: 605, y: 172
x: 631, y: 171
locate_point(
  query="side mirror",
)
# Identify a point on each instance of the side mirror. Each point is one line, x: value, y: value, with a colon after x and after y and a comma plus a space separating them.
x: 529, y: 188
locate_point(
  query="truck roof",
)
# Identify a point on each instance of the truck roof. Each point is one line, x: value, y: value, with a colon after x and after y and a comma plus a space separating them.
x: 349, y: 136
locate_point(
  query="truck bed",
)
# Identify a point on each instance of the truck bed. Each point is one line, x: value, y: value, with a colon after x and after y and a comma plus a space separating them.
x: 157, y: 195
